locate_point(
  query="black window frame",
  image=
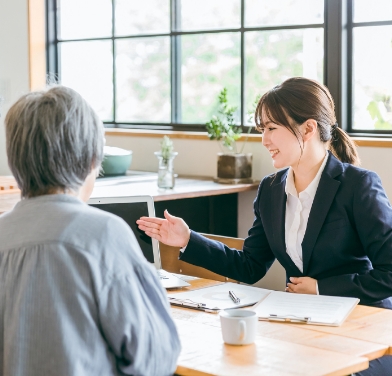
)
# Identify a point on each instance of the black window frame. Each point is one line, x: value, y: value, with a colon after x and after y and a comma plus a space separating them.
x: 338, y: 32
x: 348, y: 19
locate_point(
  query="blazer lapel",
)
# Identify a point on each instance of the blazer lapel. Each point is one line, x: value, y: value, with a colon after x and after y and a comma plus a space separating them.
x: 278, y: 214
x: 325, y: 194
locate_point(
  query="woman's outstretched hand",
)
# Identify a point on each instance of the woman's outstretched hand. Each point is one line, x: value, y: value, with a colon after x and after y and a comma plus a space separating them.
x: 171, y: 231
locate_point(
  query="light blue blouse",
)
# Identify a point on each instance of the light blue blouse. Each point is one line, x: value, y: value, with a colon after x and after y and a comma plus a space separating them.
x: 77, y: 296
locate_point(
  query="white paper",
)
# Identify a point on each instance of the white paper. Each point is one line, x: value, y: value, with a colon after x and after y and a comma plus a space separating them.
x: 320, y: 309
x: 217, y: 297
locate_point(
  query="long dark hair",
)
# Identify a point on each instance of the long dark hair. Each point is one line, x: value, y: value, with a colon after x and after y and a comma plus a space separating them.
x: 300, y: 99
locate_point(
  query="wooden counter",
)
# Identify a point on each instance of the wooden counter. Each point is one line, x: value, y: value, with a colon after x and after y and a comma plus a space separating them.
x: 146, y: 184
x: 185, y: 187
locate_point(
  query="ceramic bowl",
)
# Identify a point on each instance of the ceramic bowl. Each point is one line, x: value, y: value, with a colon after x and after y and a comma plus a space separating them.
x: 116, y: 161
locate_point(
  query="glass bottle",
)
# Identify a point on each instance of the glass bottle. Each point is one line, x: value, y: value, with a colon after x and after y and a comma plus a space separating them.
x: 165, y: 170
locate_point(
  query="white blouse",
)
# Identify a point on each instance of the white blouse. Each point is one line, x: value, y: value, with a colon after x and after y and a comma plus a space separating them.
x: 297, y: 213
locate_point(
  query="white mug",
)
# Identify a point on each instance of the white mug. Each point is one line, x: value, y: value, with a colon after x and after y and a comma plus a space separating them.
x: 239, y: 326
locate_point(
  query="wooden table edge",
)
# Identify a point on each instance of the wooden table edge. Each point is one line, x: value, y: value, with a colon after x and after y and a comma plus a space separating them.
x: 184, y: 371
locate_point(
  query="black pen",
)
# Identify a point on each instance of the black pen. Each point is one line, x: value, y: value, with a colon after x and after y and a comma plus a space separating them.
x: 234, y: 297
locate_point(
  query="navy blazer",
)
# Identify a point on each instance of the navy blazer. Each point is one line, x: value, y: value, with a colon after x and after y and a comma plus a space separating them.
x: 347, y: 245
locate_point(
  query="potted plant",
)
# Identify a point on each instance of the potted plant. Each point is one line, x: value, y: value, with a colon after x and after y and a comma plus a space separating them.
x: 234, y: 166
x: 165, y: 168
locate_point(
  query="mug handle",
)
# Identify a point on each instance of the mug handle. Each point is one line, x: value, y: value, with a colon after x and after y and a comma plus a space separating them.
x: 242, y: 330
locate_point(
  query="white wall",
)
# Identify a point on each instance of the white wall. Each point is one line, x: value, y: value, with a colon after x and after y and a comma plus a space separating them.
x: 195, y: 157
x: 198, y: 157
x: 14, y: 74
x: 380, y: 161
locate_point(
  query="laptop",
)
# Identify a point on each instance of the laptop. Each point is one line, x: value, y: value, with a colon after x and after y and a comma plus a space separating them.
x: 131, y: 209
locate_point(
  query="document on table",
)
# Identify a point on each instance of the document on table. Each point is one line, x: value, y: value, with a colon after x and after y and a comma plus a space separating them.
x: 309, y: 309
x: 215, y: 298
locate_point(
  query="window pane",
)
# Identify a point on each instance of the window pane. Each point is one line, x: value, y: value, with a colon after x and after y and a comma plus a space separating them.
x: 376, y: 10
x: 210, y: 14
x: 372, y: 78
x: 143, y: 79
x: 210, y: 62
x: 283, y: 12
x: 87, y: 67
x: 140, y: 17
x: 85, y: 19
x: 274, y: 56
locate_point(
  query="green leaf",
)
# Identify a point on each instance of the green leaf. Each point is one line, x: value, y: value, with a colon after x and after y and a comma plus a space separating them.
x: 375, y: 114
x: 373, y: 110
x: 222, y: 126
x: 166, y: 147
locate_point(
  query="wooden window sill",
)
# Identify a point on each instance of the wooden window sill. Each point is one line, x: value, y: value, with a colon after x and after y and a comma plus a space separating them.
x: 373, y: 142
x: 360, y: 141
x: 171, y: 134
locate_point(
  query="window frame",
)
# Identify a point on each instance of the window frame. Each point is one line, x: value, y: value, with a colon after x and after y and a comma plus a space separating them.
x: 350, y: 84
x: 338, y: 28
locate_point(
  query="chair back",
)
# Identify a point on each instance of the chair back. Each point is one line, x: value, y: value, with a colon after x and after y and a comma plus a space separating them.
x: 171, y: 263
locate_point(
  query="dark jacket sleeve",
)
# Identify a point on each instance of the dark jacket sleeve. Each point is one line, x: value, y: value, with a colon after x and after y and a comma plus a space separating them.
x: 247, y: 266
x: 372, y: 217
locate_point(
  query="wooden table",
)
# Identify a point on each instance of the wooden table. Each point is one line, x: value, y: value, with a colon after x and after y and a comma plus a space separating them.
x: 282, y: 348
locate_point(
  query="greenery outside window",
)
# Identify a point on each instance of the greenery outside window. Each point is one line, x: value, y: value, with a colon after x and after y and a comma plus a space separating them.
x: 371, y: 30
x: 160, y: 64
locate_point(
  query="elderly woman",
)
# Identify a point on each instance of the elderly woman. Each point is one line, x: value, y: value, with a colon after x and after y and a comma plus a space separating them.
x: 77, y: 296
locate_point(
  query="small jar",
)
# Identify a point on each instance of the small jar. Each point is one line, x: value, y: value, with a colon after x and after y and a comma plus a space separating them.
x: 165, y: 170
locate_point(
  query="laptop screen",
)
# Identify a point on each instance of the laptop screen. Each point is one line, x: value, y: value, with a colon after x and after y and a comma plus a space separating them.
x: 130, y: 212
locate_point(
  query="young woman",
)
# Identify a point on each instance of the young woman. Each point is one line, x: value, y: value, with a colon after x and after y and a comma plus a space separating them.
x: 327, y: 221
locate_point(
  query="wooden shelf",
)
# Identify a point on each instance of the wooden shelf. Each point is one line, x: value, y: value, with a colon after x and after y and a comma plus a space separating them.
x: 185, y: 187
x: 8, y: 184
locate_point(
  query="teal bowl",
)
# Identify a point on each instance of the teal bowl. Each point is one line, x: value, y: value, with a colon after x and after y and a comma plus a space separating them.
x: 116, y: 161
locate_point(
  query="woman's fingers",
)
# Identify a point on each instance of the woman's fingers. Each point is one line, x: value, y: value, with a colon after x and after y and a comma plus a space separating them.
x: 148, y: 224
x: 172, y: 219
x: 154, y: 235
x: 290, y: 287
x: 169, y: 217
x: 155, y: 220
x: 149, y: 230
x: 172, y: 230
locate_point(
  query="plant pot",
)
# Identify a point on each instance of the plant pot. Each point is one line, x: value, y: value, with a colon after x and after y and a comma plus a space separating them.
x: 234, y: 168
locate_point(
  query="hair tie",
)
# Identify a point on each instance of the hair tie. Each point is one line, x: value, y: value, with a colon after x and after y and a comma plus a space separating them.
x: 333, y: 127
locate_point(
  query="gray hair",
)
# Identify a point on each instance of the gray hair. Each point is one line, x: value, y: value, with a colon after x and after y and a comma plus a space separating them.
x: 54, y: 139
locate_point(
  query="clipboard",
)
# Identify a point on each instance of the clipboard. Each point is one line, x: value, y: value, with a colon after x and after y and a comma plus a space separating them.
x: 305, y: 309
x: 215, y: 298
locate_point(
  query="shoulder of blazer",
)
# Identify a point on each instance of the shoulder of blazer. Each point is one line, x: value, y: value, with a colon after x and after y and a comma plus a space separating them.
x: 275, y: 178
x: 334, y: 169
x: 338, y: 170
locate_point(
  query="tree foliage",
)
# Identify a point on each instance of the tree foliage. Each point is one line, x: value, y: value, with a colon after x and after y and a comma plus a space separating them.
x: 375, y: 113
